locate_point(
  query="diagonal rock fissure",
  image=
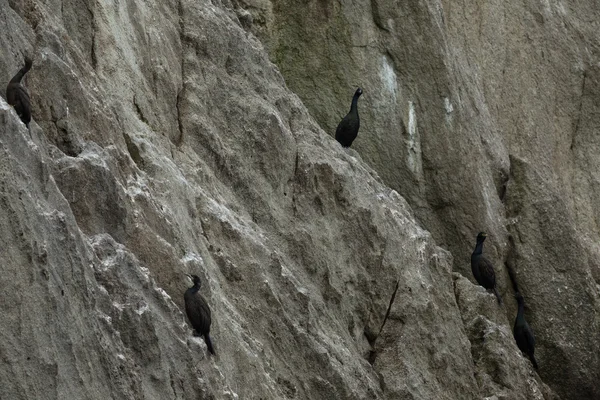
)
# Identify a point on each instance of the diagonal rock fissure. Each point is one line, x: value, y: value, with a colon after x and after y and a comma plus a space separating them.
x: 389, y: 309
x: 372, y: 338
x: 295, y: 180
x: 509, y: 264
x: 179, y: 141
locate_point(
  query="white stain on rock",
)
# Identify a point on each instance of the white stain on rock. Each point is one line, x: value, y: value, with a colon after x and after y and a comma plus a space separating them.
x: 449, y: 109
x: 164, y: 294
x: 448, y: 106
x: 192, y: 258
x: 413, y: 143
x: 388, y: 78
x: 4, y: 105
x: 488, y: 204
x: 142, y: 308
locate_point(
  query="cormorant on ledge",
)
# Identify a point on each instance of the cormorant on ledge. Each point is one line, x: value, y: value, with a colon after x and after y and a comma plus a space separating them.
x: 523, y: 333
x: 17, y: 96
x: 198, y: 312
x: 347, y: 130
x: 482, y: 268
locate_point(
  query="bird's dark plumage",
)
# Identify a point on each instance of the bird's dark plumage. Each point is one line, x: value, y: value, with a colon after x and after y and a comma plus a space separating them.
x: 523, y: 333
x: 347, y: 129
x: 198, y: 312
x: 17, y: 96
x: 482, y: 268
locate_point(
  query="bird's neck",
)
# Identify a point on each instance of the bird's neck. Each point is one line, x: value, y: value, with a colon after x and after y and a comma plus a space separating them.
x: 478, y: 248
x: 196, y: 287
x: 521, y: 309
x: 17, y: 78
x: 354, y: 106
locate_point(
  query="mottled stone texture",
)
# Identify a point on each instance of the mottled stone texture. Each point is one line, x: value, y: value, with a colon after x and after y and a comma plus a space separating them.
x: 484, y: 116
x: 166, y: 141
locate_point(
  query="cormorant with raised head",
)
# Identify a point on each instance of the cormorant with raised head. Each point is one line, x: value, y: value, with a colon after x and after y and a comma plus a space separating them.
x: 198, y: 312
x: 17, y: 96
x: 523, y: 333
x: 347, y: 129
x: 482, y: 268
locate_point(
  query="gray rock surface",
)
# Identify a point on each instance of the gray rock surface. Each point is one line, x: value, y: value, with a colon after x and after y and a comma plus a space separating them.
x: 484, y: 116
x: 164, y: 141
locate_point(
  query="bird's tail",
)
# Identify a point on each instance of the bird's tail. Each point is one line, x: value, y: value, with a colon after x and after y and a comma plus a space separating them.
x: 497, y: 295
x: 532, y: 358
x: 209, y: 344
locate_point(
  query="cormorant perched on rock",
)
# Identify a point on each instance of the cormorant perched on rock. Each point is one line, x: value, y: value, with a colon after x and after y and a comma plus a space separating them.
x: 17, y: 96
x: 347, y: 130
x: 198, y: 312
x: 482, y: 268
x: 523, y: 333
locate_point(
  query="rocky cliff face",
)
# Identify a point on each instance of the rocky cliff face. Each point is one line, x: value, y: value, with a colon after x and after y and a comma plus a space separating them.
x: 165, y: 141
x: 484, y: 116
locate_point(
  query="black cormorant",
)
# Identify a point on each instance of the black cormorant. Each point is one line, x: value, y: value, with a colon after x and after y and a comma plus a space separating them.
x: 482, y: 268
x: 523, y: 333
x: 347, y: 130
x: 198, y: 312
x: 17, y: 96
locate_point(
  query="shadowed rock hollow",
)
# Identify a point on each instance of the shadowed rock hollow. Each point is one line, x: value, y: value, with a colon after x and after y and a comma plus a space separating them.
x: 165, y: 142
